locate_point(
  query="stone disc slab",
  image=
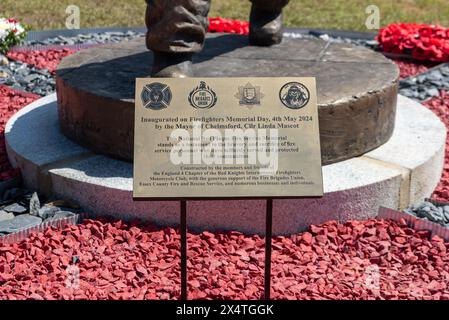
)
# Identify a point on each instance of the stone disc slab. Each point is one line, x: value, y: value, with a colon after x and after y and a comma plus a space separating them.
x: 357, y: 89
x: 403, y: 171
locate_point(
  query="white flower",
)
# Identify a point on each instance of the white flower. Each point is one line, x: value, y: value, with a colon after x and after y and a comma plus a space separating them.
x: 5, y: 25
x: 10, y: 25
x: 3, y: 33
x: 19, y: 29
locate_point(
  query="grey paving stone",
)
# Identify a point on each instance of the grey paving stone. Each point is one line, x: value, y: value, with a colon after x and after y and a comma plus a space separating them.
x: 5, y: 216
x: 19, y: 223
x: 61, y: 215
x: 15, y: 208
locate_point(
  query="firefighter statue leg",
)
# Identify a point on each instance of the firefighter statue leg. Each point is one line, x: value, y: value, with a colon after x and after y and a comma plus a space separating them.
x: 266, y: 22
x: 176, y: 30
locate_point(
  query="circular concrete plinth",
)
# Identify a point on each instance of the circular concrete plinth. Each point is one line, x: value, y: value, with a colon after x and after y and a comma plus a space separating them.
x: 357, y: 89
x: 405, y: 170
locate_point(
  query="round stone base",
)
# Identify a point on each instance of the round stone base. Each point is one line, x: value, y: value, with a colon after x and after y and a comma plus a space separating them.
x: 405, y: 170
x: 357, y: 89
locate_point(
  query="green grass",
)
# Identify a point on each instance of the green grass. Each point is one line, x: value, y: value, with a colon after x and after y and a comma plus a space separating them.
x: 331, y: 14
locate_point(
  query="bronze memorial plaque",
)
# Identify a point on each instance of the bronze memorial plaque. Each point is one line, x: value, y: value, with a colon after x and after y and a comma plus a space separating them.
x: 226, y: 138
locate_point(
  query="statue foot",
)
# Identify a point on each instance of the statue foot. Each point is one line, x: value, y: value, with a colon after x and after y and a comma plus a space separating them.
x: 265, y: 27
x: 172, y: 65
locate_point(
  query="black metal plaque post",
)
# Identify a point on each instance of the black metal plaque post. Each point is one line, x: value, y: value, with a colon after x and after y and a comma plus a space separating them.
x: 183, y: 230
x: 268, y: 238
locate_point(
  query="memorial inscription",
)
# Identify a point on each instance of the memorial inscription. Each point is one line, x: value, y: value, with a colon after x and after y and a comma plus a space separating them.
x: 226, y: 138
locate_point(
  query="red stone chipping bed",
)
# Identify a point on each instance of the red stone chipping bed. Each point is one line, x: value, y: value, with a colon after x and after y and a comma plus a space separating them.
x: 410, y: 68
x: 357, y: 260
x: 41, y: 59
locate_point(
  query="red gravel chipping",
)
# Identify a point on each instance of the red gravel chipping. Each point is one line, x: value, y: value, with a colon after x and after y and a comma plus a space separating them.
x: 331, y: 261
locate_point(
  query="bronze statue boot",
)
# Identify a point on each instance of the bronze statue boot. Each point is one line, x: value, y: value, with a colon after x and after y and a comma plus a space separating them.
x: 172, y: 65
x: 265, y: 27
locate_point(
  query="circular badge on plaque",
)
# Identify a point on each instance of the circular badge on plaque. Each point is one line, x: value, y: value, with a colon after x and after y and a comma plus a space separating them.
x: 202, y: 97
x: 156, y: 96
x: 294, y: 95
